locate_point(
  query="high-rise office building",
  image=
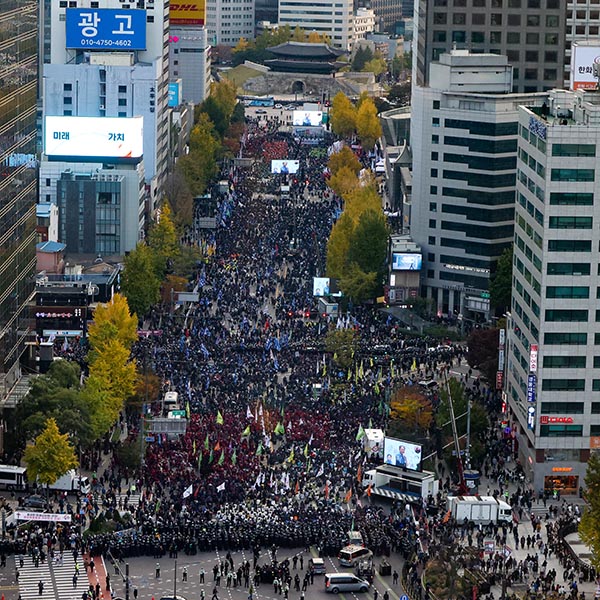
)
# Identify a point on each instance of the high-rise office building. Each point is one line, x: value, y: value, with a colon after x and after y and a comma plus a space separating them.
x: 531, y: 33
x: 19, y: 24
x: 334, y: 19
x: 229, y: 20
x: 553, y: 333
x: 109, y: 59
x: 464, y: 146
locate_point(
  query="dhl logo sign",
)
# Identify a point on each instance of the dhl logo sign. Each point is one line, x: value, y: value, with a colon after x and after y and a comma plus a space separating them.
x: 187, y: 13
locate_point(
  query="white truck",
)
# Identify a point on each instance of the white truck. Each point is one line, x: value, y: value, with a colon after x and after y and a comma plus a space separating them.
x: 71, y: 482
x: 393, y: 482
x: 479, y: 509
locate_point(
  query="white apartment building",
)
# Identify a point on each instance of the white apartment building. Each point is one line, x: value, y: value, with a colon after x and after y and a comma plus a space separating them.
x: 464, y: 145
x: 364, y: 23
x: 189, y: 57
x: 229, y: 20
x: 334, y: 18
x: 553, y: 356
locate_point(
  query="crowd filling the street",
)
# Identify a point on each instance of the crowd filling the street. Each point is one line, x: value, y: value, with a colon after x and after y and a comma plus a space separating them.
x: 273, y: 457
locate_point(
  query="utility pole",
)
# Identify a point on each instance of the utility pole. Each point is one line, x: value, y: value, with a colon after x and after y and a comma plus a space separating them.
x: 126, y: 581
x: 175, y: 582
x: 468, y: 443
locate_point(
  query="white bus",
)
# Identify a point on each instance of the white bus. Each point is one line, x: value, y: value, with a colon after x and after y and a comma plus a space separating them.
x: 13, y: 478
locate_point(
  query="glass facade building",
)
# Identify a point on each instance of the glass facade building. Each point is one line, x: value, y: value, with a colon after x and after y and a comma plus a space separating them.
x: 18, y: 180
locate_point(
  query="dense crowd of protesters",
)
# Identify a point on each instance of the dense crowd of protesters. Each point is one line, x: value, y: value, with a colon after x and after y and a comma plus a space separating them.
x: 271, y: 457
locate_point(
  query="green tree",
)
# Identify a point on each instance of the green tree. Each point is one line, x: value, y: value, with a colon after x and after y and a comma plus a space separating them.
x: 216, y: 113
x: 56, y: 394
x: 362, y: 55
x: 139, y: 283
x: 483, y: 352
x: 501, y: 282
x: 338, y: 246
x: 368, y: 127
x: 344, y: 158
x: 589, y: 527
x: 342, y: 115
x: 102, y: 408
x: 177, y: 193
x: 369, y: 242
x: 199, y: 166
x: 112, y: 321
x: 50, y: 456
x: 376, y: 65
x: 162, y: 240
x: 357, y: 284
x: 341, y: 343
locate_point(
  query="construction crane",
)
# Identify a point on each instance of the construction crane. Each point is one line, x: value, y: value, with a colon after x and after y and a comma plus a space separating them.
x: 462, y: 486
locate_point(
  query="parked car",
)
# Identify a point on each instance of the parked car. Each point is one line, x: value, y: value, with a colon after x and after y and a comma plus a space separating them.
x: 35, y: 502
x: 261, y: 111
x: 279, y: 106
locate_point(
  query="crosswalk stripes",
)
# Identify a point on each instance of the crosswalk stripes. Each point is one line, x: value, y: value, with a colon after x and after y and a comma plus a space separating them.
x: 29, y: 578
x: 132, y: 501
x: 63, y: 578
x: 57, y: 579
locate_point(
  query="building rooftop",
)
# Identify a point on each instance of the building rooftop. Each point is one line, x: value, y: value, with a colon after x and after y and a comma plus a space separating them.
x: 50, y: 247
x: 299, y: 50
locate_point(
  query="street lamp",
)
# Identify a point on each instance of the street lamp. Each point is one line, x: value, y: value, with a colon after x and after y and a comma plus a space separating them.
x: 175, y: 582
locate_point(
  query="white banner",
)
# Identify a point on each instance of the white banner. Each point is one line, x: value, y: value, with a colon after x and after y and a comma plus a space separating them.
x: 22, y: 515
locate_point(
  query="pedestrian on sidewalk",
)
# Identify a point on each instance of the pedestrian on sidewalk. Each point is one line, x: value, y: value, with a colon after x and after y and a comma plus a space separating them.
x: 108, y: 582
x: 40, y: 587
x: 202, y: 572
x: 157, y: 571
x: 74, y: 580
x: 184, y: 574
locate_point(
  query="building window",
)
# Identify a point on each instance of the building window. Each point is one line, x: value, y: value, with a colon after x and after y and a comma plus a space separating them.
x: 563, y: 385
x: 68, y: 87
x: 569, y: 245
x: 567, y: 291
x: 122, y: 114
x: 564, y: 362
x: 513, y: 37
x: 435, y: 139
x: 565, y: 339
x: 439, y: 18
x: 122, y: 101
x: 459, y: 37
x: 551, y: 20
x: 122, y: 89
x: 433, y: 173
x: 573, y: 150
x: 566, y: 316
x: 565, y: 408
x: 572, y: 175
x: 436, y: 105
x: 459, y: 19
x: 433, y: 190
x: 439, y: 36
x: 568, y: 269
x: 431, y: 240
x: 514, y: 20
x: 533, y: 20
x: 68, y: 100
x: 570, y: 223
x: 477, y: 19
x: 561, y: 430
x: 496, y: 37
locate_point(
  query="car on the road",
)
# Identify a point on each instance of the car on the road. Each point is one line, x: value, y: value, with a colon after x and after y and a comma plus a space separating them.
x: 290, y: 107
x: 345, y: 582
x: 261, y: 111
x: 171, y: 597
x: 317, y: 565
x: 279, y: 106
x: 35, y: 502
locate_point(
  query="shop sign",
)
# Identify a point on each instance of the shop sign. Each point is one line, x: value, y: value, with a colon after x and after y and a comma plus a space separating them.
x: 595, y: 442
x: 545, y: 420
x: 531, y: 417
x: 533, y: 358
x: 499, y: 379
x: 531, y: 381
x: 562, y: 469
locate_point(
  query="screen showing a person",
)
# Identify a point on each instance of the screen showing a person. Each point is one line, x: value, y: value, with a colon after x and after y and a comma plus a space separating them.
x: 407, y: 262
x: 402, y: 454
x: 321, y: 286
x: 307, y: 118
x: 285, y: 167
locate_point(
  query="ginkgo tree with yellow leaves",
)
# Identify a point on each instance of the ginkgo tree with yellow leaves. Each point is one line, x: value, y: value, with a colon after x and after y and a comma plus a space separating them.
x: 410, y: 412
x: 50, y: 456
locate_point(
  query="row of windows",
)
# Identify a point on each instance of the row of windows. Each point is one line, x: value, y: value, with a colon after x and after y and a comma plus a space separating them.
x: 533, y: 139
x: 483, y: 163
x: 478, y: 214
x: 531, y: 185
x: 571, y: 198
x: 572, y: 174
x: 568, y: 269
x: 565, y: 339
x: 482, y: 128
x: 535, y: 166
x: 480, y: 197
x: 549, y: 4
x: 528, y: 229
x: 477, y: 145
x: 531, y: 209
x: 481, y: 179
x: 573, y: 150
x: 533, y: 258
x: 570, y: 223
